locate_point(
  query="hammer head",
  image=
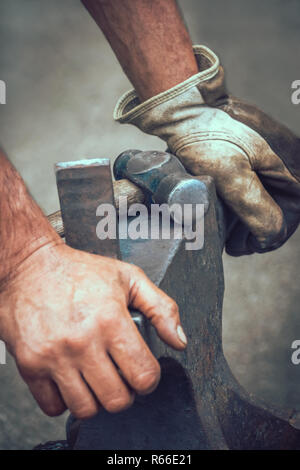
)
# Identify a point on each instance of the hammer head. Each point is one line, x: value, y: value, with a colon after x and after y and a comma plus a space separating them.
x: 163, y: 177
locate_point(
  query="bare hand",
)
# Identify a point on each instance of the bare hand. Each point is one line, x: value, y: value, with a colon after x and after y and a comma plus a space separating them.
x: 64, y: 316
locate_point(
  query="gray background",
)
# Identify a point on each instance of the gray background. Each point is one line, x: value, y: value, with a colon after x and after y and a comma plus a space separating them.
x: 62, y: 84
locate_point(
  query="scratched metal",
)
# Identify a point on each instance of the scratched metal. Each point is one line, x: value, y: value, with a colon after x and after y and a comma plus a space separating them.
x: 82, y: 187
x: 198, y: 403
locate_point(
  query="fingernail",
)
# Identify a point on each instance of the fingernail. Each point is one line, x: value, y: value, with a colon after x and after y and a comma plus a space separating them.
x: 181, y: 334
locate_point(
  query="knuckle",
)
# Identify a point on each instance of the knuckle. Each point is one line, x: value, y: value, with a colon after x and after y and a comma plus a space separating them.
x: 119, y: 404
x: 85, y: 411
x: 280, y: 228
x: 274, y: 234
x: 54, y: 409
x: 168, y: 310
x: 28, y: 362
x: 74, y: 344
x: 137, y: 271
x: 173, y: 308
x: 147, y: 381
x: 111, y: 316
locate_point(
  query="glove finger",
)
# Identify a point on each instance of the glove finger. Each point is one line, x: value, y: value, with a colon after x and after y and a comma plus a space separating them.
x: 255, y: 207
x: 239, y: 186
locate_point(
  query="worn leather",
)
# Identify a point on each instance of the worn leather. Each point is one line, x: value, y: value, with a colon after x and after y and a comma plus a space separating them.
x: 254, y: 160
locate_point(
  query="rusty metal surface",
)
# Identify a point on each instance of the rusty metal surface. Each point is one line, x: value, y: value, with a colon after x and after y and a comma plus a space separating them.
x: 198, y: 403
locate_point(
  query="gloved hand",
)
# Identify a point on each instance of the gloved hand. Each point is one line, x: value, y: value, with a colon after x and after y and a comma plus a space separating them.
x: 254, y: 161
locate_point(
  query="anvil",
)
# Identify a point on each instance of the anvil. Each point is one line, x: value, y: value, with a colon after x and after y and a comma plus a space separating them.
x: 198, y: 404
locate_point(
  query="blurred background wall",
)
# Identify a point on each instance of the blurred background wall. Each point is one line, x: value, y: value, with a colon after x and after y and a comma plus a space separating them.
x: 62, y: 83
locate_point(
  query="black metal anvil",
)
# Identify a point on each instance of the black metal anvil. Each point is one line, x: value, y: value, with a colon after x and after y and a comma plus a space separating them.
x: 198, y: 403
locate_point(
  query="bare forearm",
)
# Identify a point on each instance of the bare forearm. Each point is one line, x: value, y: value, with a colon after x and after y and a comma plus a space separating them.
x: 149, y: 39
x: 23, y: 227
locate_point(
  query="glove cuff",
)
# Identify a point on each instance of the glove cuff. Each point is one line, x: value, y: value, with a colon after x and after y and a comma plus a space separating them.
x: 129, y: 107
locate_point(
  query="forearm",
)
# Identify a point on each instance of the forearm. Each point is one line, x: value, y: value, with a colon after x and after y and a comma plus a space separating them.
x: 23, y: 227
x: 149, y: 39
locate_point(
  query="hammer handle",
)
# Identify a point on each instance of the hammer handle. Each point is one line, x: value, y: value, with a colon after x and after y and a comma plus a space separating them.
x: 122, y: 188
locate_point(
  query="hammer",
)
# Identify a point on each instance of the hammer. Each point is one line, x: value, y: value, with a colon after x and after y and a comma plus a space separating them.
x: 153, y: 177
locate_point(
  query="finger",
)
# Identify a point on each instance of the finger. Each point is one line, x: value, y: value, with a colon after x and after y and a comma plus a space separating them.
x: 47, y: 394
x: 239, y: 186
x: 76, y: 394
x: 131, y: 354
x: 256, y: 208
x: 103, y: 378
x: 158, y: 307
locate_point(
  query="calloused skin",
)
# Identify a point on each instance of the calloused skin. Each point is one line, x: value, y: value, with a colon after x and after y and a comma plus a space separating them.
x: 65, y: 319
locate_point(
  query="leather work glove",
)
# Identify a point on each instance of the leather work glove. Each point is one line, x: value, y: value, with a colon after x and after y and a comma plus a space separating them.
x: 255, y: 162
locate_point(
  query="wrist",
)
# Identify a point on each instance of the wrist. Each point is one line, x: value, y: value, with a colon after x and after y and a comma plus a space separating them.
x: 23, y: 226
x: 23, y: 258
x: 129, y: 108
x: 23, y: 283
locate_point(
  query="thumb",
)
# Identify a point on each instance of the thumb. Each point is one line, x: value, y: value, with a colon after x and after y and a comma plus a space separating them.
x: 158, y: 307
